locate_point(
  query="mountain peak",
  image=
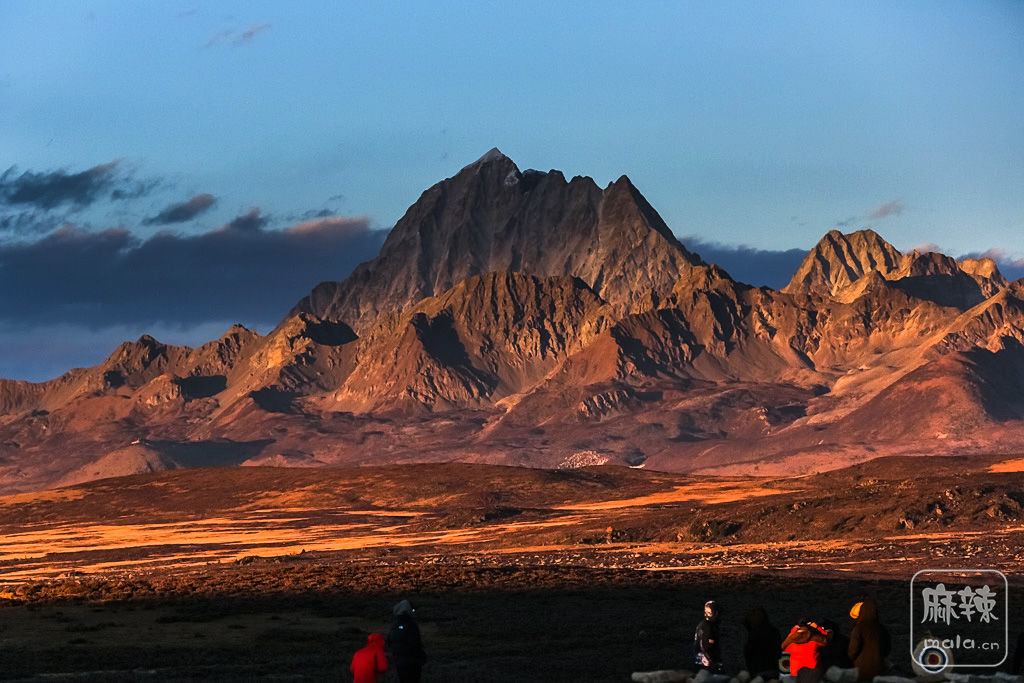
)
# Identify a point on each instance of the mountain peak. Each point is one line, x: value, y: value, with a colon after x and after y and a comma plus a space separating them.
x: 983, y: 267
x: 490, y: 217
x: 494, y: 154
x: 838, y: 260
x: 492, y: 159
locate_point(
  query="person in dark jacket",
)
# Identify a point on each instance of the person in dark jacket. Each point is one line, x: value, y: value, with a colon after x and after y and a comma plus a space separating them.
x: 369, y: 663
x: 762, y: 650
x: 707, y: 639
x: 405, y: 645
x: 836, y: 650
x: 870, y: 642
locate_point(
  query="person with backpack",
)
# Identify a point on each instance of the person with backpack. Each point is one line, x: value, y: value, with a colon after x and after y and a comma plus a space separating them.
x: 369, y: 663
x: 405, y: 644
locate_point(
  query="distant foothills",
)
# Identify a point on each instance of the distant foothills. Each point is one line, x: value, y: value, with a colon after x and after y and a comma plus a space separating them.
x: 520, y: 318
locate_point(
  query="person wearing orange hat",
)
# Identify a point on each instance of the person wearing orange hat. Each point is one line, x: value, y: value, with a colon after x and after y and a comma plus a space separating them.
x: 870, y: 642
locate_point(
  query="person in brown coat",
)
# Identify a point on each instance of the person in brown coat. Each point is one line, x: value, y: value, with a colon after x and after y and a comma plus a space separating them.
x: 869, y: 641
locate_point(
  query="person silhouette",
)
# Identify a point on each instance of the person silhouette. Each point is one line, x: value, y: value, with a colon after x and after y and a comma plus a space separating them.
x: 870, y: 642
x: 369, y: 663
x: 763, y: 647
x: 405, y: 645
x: 707, y: 639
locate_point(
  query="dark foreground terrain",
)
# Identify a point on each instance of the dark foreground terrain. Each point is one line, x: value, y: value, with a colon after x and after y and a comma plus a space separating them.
x: 301, y: 620
x: 519, y: 575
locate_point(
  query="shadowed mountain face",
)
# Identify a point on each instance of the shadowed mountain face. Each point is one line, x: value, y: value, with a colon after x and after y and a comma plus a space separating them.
x: 519, y: 318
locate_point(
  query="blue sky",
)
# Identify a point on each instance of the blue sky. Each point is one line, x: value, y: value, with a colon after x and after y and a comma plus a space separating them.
x: 748, y: 126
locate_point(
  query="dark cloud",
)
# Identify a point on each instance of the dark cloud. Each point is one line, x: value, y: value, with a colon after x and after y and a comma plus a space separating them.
x: 46, y: 190
x: 248, y: 222
x: 73, y: 276
x: 312, y: 214
x: 186, y: 211
x: 29, y: 223
x: 133, y: 189
x: 759, y: 267
x: 893, y: 208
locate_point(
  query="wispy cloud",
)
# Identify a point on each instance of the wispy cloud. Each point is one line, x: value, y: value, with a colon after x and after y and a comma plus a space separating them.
x: 894, y: 207
x: 220, y: 37
x: 311, y: 214
x: 926, y: 247
x: 46, y: 190
x: 891, y: 208
x: 34, y: 202
x: 33, y: 222
x: 185, y: 211
x: 233, y: 36
x: 250, y: 33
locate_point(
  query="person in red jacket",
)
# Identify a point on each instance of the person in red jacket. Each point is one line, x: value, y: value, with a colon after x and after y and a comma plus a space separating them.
x: 804, y: 643
x: 369, y: 664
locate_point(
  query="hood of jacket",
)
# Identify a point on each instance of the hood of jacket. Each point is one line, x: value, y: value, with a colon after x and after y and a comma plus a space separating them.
x: 868, y: 611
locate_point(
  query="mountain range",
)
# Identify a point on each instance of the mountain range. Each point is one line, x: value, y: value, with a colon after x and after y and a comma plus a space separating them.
x: 520, y: 318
